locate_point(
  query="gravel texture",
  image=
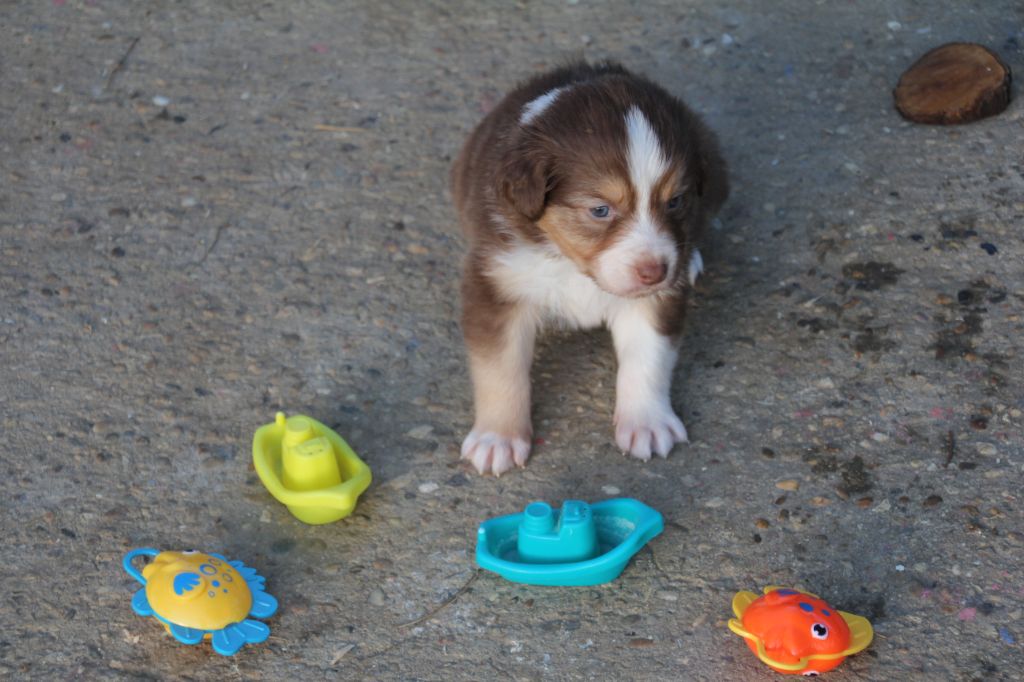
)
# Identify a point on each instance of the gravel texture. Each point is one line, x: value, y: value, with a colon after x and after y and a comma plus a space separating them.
x: 210, y: 211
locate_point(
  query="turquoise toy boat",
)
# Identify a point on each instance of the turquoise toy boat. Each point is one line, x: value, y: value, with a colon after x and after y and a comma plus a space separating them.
x: 581, y: 544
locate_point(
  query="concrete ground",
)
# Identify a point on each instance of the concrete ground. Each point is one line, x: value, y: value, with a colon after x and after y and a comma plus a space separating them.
x: 246, y: 211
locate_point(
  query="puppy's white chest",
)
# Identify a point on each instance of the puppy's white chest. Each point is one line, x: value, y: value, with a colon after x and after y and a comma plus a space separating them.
x: 551, y: 284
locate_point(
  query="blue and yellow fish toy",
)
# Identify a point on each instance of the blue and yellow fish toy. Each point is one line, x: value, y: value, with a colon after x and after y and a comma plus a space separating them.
x: 202, y: 596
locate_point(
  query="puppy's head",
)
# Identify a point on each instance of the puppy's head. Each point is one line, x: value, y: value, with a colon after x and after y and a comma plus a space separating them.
x: 614, y: 173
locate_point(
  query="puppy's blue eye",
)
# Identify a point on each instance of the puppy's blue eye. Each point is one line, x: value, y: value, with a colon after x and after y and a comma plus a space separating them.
x: 675, y: 202
x: 600, y: 211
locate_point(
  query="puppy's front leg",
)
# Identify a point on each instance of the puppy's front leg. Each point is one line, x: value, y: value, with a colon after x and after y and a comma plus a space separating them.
x: 500, y: 341
x: 644, y: 419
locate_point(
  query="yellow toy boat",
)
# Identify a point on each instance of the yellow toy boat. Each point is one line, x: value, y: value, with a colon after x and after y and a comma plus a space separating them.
x: 309, y: 468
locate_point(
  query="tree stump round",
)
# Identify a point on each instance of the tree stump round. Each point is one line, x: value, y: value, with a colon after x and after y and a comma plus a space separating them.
x: 954, y: 83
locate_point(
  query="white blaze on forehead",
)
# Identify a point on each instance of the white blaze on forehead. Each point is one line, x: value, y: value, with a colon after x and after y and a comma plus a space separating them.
x: 647, y: 162
x: 536, y: 107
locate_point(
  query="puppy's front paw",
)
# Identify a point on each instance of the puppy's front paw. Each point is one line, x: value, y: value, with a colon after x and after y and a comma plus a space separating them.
x: 493, y: 453
x: 643, y: 432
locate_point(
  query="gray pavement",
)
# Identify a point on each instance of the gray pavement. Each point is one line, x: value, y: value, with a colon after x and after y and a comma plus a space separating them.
x: 250, y: 213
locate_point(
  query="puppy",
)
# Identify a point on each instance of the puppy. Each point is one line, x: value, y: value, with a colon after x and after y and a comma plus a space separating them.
x: 583, y: 196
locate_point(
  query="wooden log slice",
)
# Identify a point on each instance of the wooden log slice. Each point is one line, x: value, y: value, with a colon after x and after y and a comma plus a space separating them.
x: 954, y: 83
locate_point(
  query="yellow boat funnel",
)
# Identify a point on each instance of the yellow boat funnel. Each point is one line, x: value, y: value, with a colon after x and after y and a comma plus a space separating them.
x: 309, y: 468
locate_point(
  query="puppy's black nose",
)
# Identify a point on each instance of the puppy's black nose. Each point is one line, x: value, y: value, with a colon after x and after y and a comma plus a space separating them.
x: 651, y: 272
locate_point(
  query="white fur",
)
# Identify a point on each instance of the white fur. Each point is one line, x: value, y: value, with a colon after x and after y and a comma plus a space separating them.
x: 645, y: 422
x: 553, y: 286
x: 696, y: 266
x: 616, y: 267
x: 494, y: 453
x: 536, y: 107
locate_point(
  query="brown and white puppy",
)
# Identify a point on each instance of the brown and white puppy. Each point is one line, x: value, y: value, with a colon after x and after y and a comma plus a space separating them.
x: 583, y: 195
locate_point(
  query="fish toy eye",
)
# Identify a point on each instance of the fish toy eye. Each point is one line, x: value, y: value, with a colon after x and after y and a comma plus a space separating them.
x: 819, y: 631
x: 811, y: 673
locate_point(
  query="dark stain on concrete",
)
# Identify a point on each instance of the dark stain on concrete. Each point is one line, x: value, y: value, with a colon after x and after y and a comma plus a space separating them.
x: 855, y: 478
x: 871, y: 275
x: 871, y: 339
x: 816, y: 324
x: 958, y: 340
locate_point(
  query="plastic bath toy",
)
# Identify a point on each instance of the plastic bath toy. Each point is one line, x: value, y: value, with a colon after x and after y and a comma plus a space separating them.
x: 580, y: 545
x: 309, y: 468
x: 202, y: 596
x: 796, y: 632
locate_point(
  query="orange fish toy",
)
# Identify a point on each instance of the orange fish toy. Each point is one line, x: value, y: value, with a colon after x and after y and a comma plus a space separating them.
x: 795, y: 632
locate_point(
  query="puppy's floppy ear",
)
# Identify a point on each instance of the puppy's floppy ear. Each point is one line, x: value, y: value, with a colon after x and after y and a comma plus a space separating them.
x: 523, y: 181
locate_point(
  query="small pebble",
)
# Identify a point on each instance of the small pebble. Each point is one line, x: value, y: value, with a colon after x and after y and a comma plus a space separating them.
x: 161, y: 101
x: 894, y: 25
x: 1005, y: 635
x: 932, y: 500
x: 420, y: 432
x: 610, y: 490
x: 376, y: 597
x: 714, y: 503
x: 428, y: 487
x: 990, y: 249
x: 967, y: 614
x: 900, y: 567
x: 788, y: 484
